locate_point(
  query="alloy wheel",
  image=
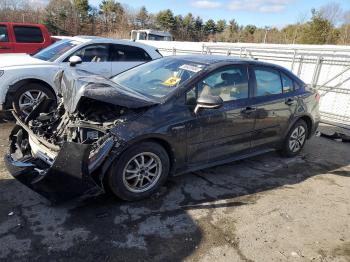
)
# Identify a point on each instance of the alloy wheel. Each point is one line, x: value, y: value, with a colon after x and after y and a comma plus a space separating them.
x: 297, y: 139
x: 29, y: 99
x: 142, y: 172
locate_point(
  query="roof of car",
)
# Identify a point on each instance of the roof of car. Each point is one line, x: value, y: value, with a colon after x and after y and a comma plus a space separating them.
x: 24, y: 24
x: 97, y: 39
x: 213, y: 59
x: 208, y: 59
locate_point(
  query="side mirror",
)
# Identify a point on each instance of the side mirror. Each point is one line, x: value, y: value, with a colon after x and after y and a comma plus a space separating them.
x: 208, y: 101
x: 75, y: 60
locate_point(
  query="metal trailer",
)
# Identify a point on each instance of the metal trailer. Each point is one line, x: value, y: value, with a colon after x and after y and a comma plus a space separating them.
x: 326, y: 69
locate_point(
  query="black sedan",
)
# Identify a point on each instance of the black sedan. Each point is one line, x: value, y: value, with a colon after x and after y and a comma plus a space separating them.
x: 170, y: 116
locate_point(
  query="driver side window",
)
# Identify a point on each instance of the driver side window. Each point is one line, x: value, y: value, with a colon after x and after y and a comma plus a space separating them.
x: 94, y: 53
x: 230, y: 83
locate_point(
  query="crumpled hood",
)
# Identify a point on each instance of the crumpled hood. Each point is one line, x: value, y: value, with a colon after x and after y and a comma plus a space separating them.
x: 8, y: 60
x: 76, y: 84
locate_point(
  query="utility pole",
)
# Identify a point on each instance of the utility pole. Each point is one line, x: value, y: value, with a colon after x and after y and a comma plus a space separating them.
x: 267, y: 29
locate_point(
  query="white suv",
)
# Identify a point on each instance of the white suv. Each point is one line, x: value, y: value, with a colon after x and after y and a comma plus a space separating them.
x: 24, y: 79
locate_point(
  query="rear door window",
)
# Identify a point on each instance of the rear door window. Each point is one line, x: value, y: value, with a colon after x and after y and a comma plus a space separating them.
x: 3, y: 34
x: 124, y: 53
x: 28, y: 34
x: 287, y: 83
x: 297, y: 85
x: 268, y: 81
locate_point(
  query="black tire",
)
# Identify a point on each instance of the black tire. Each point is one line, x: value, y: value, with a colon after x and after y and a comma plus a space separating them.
x: 30, y: 87
x: 332, y: 136
x: 117, y: 182
x: 287, y: 149
x: 345, y: 138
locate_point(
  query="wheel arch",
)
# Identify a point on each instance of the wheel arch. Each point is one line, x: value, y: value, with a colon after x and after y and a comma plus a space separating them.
x: 155, y: 138
x: 165, y: 144
x: 309, y: 123
x: 14, y: 88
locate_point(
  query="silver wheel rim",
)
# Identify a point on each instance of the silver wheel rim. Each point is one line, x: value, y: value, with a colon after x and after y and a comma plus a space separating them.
x: 142, y: 172
x: 297, y: 139
x: 29, y: 99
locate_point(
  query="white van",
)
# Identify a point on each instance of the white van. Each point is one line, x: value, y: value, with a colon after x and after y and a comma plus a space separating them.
x: 149, y: 34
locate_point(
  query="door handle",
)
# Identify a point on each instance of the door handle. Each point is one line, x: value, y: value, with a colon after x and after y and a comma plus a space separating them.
x: 290, y: 101
x: 248, y: 110
x: 176, y: 128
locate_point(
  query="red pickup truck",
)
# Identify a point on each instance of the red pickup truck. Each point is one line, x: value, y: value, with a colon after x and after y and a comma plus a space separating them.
x: 23, y: 38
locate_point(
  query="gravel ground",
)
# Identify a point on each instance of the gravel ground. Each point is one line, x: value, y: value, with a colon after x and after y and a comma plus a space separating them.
x: 265, y: 208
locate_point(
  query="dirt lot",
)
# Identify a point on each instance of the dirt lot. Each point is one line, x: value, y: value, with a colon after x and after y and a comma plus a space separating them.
x: 262, y: 209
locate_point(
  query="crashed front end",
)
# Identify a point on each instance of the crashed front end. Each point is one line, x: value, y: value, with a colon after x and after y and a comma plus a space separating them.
x: 63, y: 151
x: 60, y: 162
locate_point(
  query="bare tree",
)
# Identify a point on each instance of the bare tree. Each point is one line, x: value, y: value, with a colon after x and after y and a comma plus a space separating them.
x: 332, y: 12
x: 21, y: 11
x: 345, y: 28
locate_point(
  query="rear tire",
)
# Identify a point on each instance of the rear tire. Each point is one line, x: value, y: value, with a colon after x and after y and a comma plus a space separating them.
x: 295, y: 139
x: 345, y: 138
x: 332, y: 136
x: 28, y: 96
x: 139, y: 172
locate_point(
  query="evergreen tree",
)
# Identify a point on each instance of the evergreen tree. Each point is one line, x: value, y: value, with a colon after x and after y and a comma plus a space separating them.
x: 220, y: 26
x: 250, y: 29
x: 319, y: 31
x: 165, y: 20
x: 210, y: 27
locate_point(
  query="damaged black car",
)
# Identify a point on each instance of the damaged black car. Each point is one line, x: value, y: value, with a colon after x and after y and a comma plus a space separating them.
x: 169, y: 116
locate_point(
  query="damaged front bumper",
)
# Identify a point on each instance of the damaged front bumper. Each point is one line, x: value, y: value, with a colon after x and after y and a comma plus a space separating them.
x: 57, y: 175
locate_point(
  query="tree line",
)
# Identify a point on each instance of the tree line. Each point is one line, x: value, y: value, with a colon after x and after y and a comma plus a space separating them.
x: 328, y: 24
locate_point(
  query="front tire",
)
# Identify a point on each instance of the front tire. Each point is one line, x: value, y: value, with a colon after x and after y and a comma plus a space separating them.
x: 139, y: 172
x: 28, y: 96
x: 295, y: 139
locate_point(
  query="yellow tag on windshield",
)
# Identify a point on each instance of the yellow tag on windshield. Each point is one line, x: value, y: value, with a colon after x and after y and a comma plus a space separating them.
x: 172, y: 81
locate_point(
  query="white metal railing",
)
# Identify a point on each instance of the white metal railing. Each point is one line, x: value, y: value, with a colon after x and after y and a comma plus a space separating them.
x: 296, y: 58
x: 326, y: 68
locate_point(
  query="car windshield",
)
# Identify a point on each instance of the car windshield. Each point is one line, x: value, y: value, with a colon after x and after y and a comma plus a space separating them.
x: 160, y: 77
x: 55, y: 50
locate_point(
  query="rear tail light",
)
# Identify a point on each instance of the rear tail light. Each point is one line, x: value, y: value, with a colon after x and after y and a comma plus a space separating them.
x: 317, y: 97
